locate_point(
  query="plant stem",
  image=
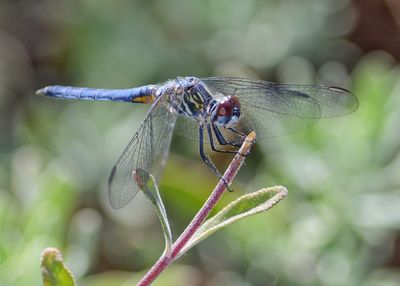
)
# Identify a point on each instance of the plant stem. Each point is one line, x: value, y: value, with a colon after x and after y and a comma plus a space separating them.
x: 201, y: 216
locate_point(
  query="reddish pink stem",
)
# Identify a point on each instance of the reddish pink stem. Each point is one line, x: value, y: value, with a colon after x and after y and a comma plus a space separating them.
x: 201, y: 216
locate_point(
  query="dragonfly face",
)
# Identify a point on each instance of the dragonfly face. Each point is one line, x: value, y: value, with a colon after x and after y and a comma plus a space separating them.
x: 226, y: 112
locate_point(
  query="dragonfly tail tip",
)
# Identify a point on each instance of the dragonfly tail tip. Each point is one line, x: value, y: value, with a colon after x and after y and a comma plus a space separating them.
x: 41, y: 91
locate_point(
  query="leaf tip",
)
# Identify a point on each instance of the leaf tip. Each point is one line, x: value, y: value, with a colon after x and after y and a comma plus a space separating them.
x: 51, y: 255
x: 54, y: 272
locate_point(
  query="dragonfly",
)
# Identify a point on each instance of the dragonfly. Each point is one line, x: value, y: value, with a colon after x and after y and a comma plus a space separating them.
x: 218, y: 111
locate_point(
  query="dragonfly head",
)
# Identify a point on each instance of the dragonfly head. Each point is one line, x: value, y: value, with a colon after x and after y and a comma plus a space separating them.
x: 226, y: 112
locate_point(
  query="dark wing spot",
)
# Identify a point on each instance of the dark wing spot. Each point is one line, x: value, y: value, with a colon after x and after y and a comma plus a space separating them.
x: 112, y: 174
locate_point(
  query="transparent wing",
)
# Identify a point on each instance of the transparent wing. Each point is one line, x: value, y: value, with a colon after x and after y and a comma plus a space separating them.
x: 264, y: 123
x: 290, y: 99
x: 147, y: 150
x: 189, y: 128
x: 273, y: 109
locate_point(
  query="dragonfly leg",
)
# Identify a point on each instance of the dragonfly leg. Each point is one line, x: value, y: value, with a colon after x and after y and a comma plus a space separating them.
x: 210, y: 136
x: 221, y: 139
x: 238, y: 132
x: 207, y: 159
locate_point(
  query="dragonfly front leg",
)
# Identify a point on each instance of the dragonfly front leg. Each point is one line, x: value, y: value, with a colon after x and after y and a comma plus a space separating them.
x: 207, y: 159
x: 221, y: 139
x: 238, y: 132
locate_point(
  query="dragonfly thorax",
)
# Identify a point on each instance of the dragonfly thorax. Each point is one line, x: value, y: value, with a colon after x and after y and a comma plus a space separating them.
x: 195, y: 100
x: 226, y: 111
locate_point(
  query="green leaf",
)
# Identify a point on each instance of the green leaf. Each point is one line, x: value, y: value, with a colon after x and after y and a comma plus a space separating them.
x: 54, y: 271
x: 247, y: 205
x: 148, y: 185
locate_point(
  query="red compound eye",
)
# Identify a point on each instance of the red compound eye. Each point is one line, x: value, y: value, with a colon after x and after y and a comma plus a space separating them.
x: 225, y: 107
x: 234, y: 101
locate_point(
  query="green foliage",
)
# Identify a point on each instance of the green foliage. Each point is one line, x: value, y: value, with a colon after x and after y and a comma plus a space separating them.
x: 245, y: 206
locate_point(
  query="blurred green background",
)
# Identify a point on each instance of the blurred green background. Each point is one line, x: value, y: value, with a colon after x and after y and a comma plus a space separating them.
x: 340, y: 224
